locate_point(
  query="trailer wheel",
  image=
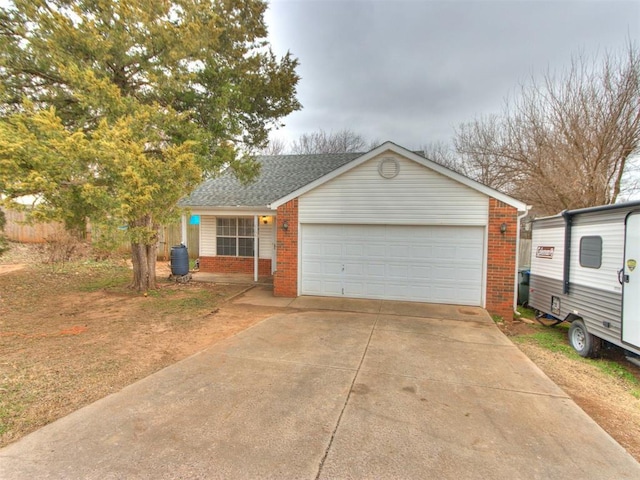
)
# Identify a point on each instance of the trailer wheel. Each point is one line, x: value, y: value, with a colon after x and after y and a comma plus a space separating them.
x: 582, y: 341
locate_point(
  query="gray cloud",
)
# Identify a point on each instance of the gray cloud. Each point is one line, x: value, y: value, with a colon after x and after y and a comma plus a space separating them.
x: 410, y: 71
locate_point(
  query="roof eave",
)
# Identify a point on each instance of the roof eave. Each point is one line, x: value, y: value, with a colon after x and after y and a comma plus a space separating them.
x: 228, y: 208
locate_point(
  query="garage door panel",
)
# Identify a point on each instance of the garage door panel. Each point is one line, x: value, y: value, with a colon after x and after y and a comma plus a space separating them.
x: 395, y: 271
x: 329, y: 249
x: 421, y: 273
x: 326, y: 287
x: 399, y: 252
x: 469, y: 275
x: 375, y: 270
x: 332, y: 287
x: 445, y: 274
x: 351, y: 268
x: 430, y: 264
x: 354, y: 249
x: 374, y: 290
x: 397, y: 292
x: 313, y: 268
x: 468, y: 253
x: 332, y: 268
x: 354, y: 288
x: 375, y: 251
x: 444, y: 252
x: 421, y: 251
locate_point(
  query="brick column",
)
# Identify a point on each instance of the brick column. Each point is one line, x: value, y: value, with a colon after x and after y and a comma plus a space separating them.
x: 285, y: 279
x: 501, y: 261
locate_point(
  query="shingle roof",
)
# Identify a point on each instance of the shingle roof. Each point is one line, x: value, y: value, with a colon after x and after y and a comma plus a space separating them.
x: 279, y: 176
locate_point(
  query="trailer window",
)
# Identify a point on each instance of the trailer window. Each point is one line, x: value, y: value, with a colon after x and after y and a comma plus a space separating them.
x: 591, y: 252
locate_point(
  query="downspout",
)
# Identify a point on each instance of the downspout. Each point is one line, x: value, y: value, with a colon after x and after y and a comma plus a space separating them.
x: 255, y: 248
x: 568, y: 219
x: 515, y: 286
x: 183, y: 229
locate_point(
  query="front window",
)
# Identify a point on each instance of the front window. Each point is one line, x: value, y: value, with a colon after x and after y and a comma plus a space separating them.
x: 234, y: 237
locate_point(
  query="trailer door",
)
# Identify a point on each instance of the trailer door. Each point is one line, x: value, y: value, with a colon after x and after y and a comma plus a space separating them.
x: 631, y: 282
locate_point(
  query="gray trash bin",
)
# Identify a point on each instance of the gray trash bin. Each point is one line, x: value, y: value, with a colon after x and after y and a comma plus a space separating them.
x: 523, y: 285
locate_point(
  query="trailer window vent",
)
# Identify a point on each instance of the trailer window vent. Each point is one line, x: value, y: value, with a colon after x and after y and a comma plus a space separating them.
x: 591, y: 252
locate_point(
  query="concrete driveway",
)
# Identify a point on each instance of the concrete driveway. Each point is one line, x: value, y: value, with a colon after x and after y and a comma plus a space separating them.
x: 335, y: 389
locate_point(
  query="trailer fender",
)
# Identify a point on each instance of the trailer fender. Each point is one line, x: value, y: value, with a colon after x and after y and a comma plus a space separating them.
x: 572, y: 317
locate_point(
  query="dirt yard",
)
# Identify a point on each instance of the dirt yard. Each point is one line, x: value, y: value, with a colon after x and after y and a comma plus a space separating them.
x: 71, y: 335
x: 68, y: 338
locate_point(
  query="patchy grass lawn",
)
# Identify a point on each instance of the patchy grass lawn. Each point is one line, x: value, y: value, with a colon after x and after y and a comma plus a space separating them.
x: 606, y: 388
x: 71, y: 336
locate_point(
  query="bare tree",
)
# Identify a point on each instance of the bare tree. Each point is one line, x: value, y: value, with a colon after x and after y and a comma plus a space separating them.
x: 479, y: 148
x: 563, y: 142
x: 342, y: 141
x: 276, y: 146
x: 443, y: 154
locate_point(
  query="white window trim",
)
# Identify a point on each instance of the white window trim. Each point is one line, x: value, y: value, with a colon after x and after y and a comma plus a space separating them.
x: 237, y: 237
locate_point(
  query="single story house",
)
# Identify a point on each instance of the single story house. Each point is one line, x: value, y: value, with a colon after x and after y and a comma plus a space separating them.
x: 386, y: 224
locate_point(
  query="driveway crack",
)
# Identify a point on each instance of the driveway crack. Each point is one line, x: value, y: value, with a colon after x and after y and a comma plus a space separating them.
x: 346, y: 401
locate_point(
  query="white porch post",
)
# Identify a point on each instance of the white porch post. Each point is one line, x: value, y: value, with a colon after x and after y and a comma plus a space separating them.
x: 255, y: 248
x: 183, y: 228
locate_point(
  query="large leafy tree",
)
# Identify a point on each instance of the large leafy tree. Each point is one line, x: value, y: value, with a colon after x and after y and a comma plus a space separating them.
x: 114, y: 110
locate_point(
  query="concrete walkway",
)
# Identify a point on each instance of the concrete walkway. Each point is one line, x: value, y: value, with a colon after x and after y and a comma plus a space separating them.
x: 351, y: 390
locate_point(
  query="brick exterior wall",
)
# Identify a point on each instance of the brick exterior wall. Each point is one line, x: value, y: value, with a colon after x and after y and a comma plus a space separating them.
x: 501, y: 261
x: 285, y: 279
x: 235, y: 265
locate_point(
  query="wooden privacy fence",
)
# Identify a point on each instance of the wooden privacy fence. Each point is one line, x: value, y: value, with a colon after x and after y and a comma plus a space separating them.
x: 171, y: 235
x: 17, y: 230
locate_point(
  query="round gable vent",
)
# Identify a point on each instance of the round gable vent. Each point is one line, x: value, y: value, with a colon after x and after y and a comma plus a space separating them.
x: 388, y: 167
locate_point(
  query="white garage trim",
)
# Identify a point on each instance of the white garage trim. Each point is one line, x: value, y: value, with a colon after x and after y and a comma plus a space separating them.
x: 440, y: 264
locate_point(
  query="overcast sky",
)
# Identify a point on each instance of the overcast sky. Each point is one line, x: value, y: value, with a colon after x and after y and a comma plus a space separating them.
x: 411, y: 71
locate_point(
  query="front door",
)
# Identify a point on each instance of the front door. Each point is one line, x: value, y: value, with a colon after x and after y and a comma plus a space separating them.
x: 631, y: 283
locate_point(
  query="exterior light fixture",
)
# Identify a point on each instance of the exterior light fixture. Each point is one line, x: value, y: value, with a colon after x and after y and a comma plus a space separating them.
x: 264, y: 219
x: 503, y: 228
x: 285, y: 225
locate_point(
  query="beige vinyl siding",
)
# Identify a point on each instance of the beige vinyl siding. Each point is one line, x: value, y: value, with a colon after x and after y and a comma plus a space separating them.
x: 208, y: 237
x: 265, y: 240
x: 416, y: 196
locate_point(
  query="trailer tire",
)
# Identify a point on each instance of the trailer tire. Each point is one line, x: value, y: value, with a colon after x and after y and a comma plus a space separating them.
x: 582, y: 341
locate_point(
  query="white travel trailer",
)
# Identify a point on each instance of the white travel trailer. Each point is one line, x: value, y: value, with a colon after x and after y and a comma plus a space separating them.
x: 585, y: 269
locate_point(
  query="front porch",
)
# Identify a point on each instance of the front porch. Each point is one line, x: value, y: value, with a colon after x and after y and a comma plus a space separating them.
x: 236, y: 278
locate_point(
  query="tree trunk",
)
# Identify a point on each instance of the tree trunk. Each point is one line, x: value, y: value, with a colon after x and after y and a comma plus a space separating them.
x: 143, y: 256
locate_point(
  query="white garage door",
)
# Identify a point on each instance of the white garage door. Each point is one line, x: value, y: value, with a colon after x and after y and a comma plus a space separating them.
x: 413, y: 263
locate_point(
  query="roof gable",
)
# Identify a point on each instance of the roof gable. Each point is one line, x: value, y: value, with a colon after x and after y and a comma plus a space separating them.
x: 392, y: 147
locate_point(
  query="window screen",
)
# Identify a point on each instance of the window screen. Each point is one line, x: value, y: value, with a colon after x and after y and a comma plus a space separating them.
x: 591, y: 252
